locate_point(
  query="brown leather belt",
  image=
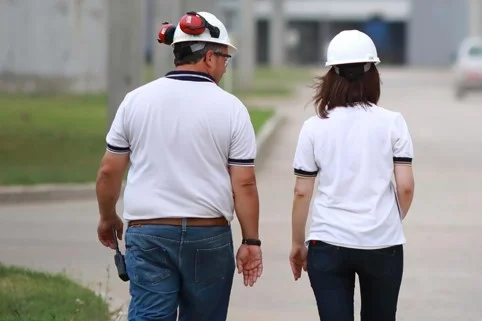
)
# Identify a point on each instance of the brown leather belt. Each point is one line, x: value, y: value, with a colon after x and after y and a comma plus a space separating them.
x: 190, y: 221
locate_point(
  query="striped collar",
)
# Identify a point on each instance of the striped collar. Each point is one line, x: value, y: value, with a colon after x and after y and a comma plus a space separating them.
x: 190, y: 76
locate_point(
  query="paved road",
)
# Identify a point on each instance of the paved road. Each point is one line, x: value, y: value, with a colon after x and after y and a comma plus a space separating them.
x: 443, y: 256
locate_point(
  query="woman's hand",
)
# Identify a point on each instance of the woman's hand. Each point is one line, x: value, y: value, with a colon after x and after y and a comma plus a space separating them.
x: 298, y: 257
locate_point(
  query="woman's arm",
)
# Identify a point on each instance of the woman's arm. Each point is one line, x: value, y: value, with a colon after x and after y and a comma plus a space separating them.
x: 405, y: 186
x: 301, y: 206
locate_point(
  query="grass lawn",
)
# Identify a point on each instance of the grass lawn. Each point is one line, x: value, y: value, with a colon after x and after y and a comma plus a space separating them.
x: 267, y: 82
x: 58, y: 139
x: 270, y: 82
x: 32, y: 296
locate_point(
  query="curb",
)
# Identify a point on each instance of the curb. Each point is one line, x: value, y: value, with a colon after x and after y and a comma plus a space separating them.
x: 46, y: 192
x: 267, y: 130
x: 73, y: 192
x: 264, y: 136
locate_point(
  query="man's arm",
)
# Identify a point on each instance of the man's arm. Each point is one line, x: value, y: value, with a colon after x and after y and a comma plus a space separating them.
x: 246, y: 201
x: 109, y: 183
x: 241, y: 162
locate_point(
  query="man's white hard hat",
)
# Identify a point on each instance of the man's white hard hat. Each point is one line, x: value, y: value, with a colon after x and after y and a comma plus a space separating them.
x: 351, y: 46
x: 223, y: 39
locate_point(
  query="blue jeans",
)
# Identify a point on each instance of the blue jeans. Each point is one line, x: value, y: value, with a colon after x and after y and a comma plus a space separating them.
x: 179, y: 267
x: 332, y: 269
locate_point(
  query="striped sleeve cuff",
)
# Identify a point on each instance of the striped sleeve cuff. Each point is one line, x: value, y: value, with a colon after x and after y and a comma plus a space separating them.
x: 118, y: 150
x: 302, y: 173
x: 240, y: 162
x: 402, y: 160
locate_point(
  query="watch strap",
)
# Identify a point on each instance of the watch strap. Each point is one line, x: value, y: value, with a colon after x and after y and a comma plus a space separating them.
x: 251, y: 242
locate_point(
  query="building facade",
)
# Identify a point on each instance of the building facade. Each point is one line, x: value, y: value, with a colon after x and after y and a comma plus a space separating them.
x: 413, y: 32
x: 53, y: 45
x: 437, y: 27
x: 62, y: 45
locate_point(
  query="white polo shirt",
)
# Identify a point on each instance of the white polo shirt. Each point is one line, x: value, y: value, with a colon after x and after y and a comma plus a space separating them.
x: 353, y: 154
x: 182, y: 131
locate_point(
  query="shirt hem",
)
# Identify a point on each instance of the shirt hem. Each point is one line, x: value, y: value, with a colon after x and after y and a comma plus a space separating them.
x: 356, y: 246
x: 128, y: 217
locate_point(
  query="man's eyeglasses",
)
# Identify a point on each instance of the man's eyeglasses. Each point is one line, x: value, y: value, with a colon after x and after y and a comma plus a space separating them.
x: 227, y: 57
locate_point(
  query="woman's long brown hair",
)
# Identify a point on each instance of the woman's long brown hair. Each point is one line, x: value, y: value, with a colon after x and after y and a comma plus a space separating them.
x: 333, y: 90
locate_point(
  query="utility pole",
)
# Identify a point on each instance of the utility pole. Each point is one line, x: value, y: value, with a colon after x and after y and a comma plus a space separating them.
x: 125, y: 51
x: 247, y: 44
x: 277, y: 33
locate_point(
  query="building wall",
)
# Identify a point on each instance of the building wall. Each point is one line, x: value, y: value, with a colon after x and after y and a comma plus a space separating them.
x: 436, y: 28
x: 312, y: 23
x: 53, y: 45
x: 475, y: 8
x: 333, y: 9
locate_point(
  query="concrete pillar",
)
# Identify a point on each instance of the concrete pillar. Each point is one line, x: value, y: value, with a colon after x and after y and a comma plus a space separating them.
x: 246, y: 45
x: 277, y: 27
x: 475, y: 17
x: 423, y: 24
x: 479, y: 18
x: 165, y: 11
x: 125, y: 57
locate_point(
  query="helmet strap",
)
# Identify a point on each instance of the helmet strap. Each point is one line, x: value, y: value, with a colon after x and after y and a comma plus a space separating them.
x: 352, y: 72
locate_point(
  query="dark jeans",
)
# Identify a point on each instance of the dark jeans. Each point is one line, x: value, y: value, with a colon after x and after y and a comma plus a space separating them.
x: 185, y: 268
x: 331, y: 270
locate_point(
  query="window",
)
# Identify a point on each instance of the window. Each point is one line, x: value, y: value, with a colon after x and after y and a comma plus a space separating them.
x: 475, y: 51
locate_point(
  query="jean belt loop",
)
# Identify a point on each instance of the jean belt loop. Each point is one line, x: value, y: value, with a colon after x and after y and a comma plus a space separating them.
x: 184, y: 224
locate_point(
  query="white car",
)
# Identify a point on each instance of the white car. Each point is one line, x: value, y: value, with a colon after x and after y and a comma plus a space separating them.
x: 468, y: 67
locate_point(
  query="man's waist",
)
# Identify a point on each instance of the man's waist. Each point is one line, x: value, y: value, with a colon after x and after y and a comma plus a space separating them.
x: 179, y: 221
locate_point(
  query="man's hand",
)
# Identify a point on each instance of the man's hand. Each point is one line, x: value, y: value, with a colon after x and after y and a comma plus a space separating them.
x: 298, y: 257
x: 104, y: 230
x: 249, y: 262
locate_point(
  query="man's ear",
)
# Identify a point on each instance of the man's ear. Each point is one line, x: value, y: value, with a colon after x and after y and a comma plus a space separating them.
x: 209, y: 58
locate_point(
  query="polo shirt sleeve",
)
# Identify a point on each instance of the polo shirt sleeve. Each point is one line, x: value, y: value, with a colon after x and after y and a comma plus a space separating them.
x: 117, y: 140
x: 304, y: 163
x: 242, y: 151
x: 402, y: 142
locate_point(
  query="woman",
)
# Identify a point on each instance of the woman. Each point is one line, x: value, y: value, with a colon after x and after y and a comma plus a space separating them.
x: 354, y: 148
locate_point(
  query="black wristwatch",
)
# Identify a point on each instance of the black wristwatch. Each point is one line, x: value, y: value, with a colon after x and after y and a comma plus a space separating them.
x: 251, y: 242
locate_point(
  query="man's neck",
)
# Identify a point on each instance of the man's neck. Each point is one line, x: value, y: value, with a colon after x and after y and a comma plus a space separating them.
x: 195, y: 68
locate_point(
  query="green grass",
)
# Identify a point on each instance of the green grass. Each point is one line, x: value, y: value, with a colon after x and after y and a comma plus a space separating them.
x: 57, y: 139
x: 51, y: 139
x: 259, y: 117
x: 268, y: 82
x: 26, y: 295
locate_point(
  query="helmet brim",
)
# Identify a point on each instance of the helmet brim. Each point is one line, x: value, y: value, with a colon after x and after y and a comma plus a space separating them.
x: 376, y: 61
x: 232, y: 50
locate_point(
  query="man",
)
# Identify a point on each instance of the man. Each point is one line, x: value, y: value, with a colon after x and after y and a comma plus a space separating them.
x: 191, y: 147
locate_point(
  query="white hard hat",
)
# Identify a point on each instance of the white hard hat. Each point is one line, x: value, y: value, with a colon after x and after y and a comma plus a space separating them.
x: 351, y: 46
x: 223, y: 39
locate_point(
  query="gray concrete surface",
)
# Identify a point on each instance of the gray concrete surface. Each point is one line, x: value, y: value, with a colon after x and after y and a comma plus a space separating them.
x: 442, y: 258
